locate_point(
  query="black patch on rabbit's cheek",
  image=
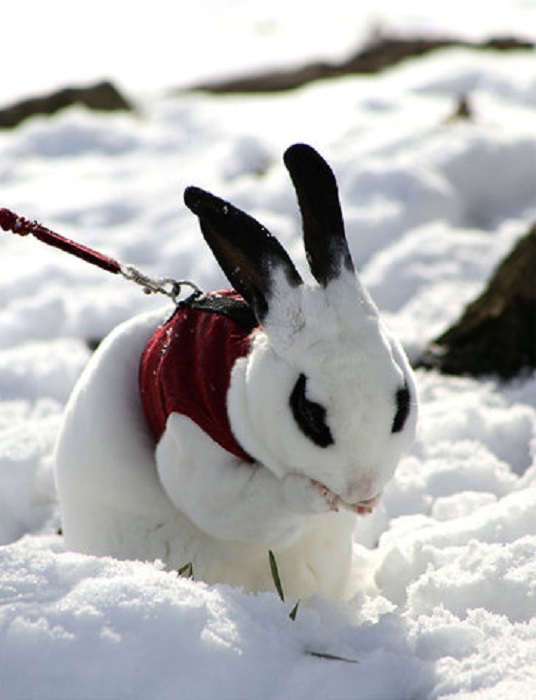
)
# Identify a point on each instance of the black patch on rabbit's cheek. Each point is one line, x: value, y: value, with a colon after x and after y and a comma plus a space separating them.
x: 309, y: 415
x: 403, y: 401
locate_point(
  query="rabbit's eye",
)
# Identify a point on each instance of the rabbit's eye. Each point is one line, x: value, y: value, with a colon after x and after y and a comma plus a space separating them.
x: 310, y: 416
x: 403, y: 399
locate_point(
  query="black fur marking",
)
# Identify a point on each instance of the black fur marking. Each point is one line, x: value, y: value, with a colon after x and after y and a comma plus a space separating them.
x: 323, y: 226
x: 246, y: 251
x: 403, y: 401
x: 310, y: 416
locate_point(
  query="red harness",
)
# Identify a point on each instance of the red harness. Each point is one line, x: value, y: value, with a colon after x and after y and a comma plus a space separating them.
x: 186, y: 367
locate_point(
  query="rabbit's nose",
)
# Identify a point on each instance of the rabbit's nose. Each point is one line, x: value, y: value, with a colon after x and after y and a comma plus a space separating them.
x: 362, y: 489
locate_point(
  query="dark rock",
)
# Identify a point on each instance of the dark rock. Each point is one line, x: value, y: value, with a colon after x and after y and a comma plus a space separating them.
x: 497, y: 332
x: 463, y: 110
x: 381, y: 53
x: 101, y: 97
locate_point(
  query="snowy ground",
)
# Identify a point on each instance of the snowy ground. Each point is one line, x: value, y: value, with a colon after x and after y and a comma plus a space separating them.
x: 448, y: 561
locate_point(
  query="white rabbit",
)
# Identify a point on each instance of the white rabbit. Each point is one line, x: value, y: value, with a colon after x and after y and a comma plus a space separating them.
x: 310, y: 405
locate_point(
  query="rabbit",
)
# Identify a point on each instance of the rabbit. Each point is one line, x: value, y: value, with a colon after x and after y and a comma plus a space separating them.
x: 299, y: 411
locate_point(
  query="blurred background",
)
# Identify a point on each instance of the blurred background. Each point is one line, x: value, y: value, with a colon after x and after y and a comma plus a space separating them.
x: 162, y: 44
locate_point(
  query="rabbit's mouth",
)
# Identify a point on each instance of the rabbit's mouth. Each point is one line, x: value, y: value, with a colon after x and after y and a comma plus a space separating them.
x: 334, y: 501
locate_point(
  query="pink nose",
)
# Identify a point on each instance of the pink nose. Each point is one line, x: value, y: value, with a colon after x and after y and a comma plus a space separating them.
x: 361, y: 490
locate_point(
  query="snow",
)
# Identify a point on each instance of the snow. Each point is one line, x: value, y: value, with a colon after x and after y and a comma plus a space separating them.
x: 447, y: 563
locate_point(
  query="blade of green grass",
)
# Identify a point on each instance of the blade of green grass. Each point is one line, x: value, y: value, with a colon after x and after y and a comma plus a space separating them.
x: 187, y: 570
x: 331, y: 657
x: 275, y: 575
x: 294, y: 611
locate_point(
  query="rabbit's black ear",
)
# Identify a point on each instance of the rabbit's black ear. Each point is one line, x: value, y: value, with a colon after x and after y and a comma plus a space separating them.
x: 323, y: 226
x: 247, y: 252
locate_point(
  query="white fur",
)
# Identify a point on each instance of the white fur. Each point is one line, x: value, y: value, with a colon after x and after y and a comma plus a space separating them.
x: 191, y: 501
x: 194, y: 503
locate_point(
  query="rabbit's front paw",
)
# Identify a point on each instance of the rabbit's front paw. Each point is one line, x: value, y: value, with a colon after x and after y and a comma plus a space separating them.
x: 303, y: 496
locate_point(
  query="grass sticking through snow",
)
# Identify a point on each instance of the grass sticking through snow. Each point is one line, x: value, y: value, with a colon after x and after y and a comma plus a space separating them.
x: 279, y: 588
x: 186, y: 571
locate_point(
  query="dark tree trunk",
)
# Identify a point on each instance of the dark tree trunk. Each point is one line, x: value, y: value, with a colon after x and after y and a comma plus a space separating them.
x: 497, y: 332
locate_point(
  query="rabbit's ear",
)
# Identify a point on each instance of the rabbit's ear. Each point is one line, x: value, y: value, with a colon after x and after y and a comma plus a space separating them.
x: 247, y: 252
x: 323, y: 226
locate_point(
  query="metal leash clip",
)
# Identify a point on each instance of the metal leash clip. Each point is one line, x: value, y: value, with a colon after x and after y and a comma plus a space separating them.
x: 159, y: 285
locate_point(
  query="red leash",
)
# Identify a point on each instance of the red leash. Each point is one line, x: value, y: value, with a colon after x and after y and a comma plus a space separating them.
x: 9, y: 221
x: 21, y: 226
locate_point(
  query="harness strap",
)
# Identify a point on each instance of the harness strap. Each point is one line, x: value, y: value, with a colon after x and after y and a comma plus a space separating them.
x: 233, y: 307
